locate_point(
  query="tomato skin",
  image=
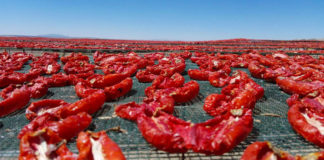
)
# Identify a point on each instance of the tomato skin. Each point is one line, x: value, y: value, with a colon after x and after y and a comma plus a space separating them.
x: 314, y: 109
x: 46, y: 63
x: 189, y: 91
x: 298, y: 87
x: 154, y: 56
x: 219, y: 79
x: 128, y: 69
x: 102, y: 81
x: 63, y: 153
x: 182, y: 94
x: 29, y: 140
x: 66, y: 128
x: 33, y: 74
x: 83, y: 90
x: 256, y: 70
x: 132, y: 111
x: 82, y: 69
x: 234, y: 133
x: 145, y: 77
x: 75, y: 57
x: 161, y: 82
x: 242, y: 92
x: 58, y: 80
x: 38, y: 88
x: 215, y: 104
x: 119, y: 89
x: 110, y: 150
x: 264, y: 151
x: 47, y: 66
x: 18, y: 99
x: 197, y: 74
x: 162, y: 131
x: 171, y: 134
x: 129, y: 111
x: 7, y: 78
x: 90, y: 104
x: 38, y: 108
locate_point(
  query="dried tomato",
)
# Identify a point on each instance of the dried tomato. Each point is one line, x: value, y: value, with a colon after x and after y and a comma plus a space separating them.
x: 66, y: 128
x: 82, y: 69
x: 18, y: 99
x: 197, y: 74
x: 306, y: 117
x: 145, y: 76
x: 83, y: 89
x: 44, y: 144
x: 119, y: 89
x: 102, y: 81
x: 90, y: 104
x: 264, y: 151
x: 219, y: 79
x: 98, y: 146
x: 128, y: 69
x: 216, y: 104
x: 58, y: 80
x: 171, y: 134
x: 298, y: 87
x: 181, y: 94
x: 7, y: 78
x: 256, y: 70
x: 44, y: 106
x: 75, y: 57
x: 161, y: 82
x: 131, y: 111
x: 154, y: 56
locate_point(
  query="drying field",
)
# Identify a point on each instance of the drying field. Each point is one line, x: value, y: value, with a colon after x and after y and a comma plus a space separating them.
x: 276, y: 70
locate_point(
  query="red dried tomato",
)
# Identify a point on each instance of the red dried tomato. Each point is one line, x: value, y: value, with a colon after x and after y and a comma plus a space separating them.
x: 44, y: 106
x: 131, y: 111
x: 82, y: 69
x: 264, y: 151
x: 181, y: 94
x: 145, y: 76
x: 83, y: 89
x: 298, y: 87
x: 119, y: 89
x: 219, y: 79
x: 161, y: 82
x: 90, y: 104
x: 7, y: 78
x: 44, y: 144
x: 98, y: 146
x: 102, y: 81
x: 216, y: 104
x: 197, y: 74
x: 128, y: 69
x: 64, y: 127
x: 154, y: 56
x: 171, y: 134
x: 75, y: 57
x: 58, y: 80
x: 17, y: 99
x: 306, y: 117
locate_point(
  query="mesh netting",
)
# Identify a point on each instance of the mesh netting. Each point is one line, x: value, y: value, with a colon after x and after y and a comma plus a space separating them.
x: 274, y: 129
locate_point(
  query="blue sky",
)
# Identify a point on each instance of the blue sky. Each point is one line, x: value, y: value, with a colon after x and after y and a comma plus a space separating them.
x: 165, y: 20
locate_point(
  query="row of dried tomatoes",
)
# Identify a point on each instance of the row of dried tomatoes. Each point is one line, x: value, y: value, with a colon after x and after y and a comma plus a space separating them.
x: 301, y: 75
